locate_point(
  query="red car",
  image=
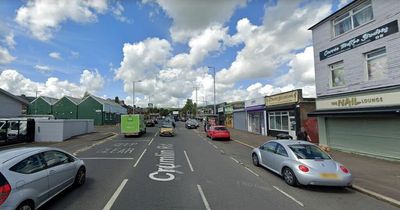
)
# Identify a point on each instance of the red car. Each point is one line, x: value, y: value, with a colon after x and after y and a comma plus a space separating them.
x: 218, y: 132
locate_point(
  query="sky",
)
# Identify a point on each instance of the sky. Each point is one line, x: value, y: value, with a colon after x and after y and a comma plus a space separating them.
x: 164, y: 49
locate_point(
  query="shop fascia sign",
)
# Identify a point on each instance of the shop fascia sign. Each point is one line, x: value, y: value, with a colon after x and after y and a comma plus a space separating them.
x: 221, y: 109
x: 360, y: 101
x: 254, y: 102
x: 283, y: 98
x: 360, y: 40
x: 228, y: 109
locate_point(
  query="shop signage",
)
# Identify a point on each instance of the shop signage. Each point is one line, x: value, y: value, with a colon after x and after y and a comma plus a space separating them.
x: 254, y: 102
x: 360, y: 101
x: 282, y: 98
x: 221, y: 109
x: 238, y: 105
x: 228, y: 110
x: 357, y: 41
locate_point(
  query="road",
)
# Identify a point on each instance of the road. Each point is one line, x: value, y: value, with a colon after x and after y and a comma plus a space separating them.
x: 189, y: 171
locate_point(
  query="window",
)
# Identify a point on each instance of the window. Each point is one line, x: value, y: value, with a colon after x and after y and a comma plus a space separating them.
x: 30, y: 165
x: 337, y: 74
x: 305, y: 151
x: 280, y: 150
x: 54, y: 158
x: 270, y: 146
x: 376, y: 64
x: 354, y: 18
x: 279, y: 120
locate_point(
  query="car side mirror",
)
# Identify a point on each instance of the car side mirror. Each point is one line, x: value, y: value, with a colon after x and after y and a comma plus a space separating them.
x: 262, y: 147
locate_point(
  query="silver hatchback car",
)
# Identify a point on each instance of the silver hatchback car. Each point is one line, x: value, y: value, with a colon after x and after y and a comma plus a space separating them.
x: 29, y: 177
x: 301, y: 162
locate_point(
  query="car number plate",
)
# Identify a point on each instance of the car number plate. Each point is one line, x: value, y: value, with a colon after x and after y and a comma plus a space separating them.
x: 329, y: 176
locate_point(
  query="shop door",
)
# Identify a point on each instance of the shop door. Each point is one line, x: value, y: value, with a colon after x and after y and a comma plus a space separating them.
x: 374, y: 136
x: 292, y: 127
x: 256, y: 123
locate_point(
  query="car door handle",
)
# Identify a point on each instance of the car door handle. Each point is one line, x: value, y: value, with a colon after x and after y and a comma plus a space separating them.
x: 52, y: 172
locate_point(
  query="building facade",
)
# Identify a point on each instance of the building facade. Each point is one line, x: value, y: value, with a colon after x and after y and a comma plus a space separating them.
x: 42, y: 105
x: 287, y: 114
x: 100, y: 110
x: 11, y: 105
x: 66, y: 108
x: 256, y: 116
x: 239, y: 116
x: 357, y: 74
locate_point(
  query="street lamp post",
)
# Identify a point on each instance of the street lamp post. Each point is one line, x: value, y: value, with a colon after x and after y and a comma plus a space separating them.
x: 215, y: 108
x: 36, y: 101
x: 133, y: 95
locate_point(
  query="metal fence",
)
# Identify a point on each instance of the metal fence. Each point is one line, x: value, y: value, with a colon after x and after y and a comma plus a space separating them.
x: 16, y: 131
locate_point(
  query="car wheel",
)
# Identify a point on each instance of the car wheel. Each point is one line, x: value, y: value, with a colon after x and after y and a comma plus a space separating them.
x: 289, y: 176
x: 80, y: 177
x: 25, y: 206
x: 256, y: 162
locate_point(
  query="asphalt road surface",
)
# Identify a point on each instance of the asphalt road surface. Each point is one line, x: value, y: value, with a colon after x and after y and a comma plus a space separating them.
x: 189, y: 171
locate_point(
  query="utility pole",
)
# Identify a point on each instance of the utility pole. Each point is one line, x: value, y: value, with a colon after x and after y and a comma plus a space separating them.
x: 36, y: 101
x: 133, y: 95
x: 215, y: 108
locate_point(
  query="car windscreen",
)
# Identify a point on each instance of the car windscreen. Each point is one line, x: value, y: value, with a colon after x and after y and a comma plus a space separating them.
x: 306, y: 151
x: 219, y: 128
x: 167, y: 126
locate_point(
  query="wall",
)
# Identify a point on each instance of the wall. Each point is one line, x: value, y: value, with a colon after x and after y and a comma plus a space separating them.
x: 9, y: 107
x: 60, y: 130
x: 91, y: 109
x: 65, y: 109
x: 354, y: 61
x: 40, y: 107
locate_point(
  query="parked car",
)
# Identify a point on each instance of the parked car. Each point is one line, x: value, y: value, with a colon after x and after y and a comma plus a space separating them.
x: 29, y: 177
x: 167, y: 129
x: 191, y: 123
x: 218, y: 132
x: 150, y: 123
x: 301, y: 163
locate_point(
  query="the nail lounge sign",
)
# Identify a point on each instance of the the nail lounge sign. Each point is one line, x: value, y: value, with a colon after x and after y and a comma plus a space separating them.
x: 362, y: 39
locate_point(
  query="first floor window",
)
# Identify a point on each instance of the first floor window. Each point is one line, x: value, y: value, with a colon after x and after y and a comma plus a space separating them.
x: 337, y: 74
x: 376, y: 64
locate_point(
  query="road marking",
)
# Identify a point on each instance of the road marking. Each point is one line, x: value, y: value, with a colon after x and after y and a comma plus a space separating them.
x: 203, y: 197
x: 251, y: 171
x: 104, y: 158
x: 115, y: 195
x: 187, y: 158
x: 215, y: 146
x: 289, y: 196
x: 234, y: 160
x: 155, y: 134
x: 93, y: 145
x: 151, y: 141
x: 140, y: 158
x: 247, y: 145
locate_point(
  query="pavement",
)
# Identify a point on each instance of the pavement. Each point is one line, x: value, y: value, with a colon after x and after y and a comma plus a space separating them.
x: 379, y: 178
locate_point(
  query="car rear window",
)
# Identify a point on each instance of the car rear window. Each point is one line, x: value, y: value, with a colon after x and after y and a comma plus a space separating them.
x: 3, y: 180
x: 220, y: 128
x: 167, y: 126
x: 306, y: 151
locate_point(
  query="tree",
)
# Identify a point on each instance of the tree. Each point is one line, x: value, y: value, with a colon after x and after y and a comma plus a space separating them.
x: 116, y: 99
x: 189, y: 109
x: 86, y: 94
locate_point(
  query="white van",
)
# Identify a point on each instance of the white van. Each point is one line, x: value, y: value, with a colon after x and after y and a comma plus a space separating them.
x: 15, y: 127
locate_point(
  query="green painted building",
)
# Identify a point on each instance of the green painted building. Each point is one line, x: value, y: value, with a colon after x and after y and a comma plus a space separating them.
x: 42, y: 106
x: 66, y: 108
x: 100, y: 110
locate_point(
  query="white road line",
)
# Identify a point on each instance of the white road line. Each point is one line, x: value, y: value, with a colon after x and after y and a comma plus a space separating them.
x: 215, y: 146
x: 203, y: 197
x: 289, y: 196
x: 247, y: 145
x: 155, y: 134
x: 104, y: 158
x: 234, y: 160
x: 93, y: 145
x: 151, y: 141
x: 251, y: 171
x: 140, y: 158
x: 115, y: 195
x: 187, y: 158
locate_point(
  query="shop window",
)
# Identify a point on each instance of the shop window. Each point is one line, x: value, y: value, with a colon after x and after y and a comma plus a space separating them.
x: 279, y: 121
x: 354, y: 18
x: 337, y: 74
x: 376, y: 64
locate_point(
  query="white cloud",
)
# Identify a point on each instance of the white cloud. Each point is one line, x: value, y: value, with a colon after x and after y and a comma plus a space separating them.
x: 9, y: 40
x: 43, y: 68
x: 43, y: 17
x: 5, y: 56
x: 55, y: 55
x: 191, y: 17
x: 92, y: 81
x: 16, y: 83
x: 74, y: 54
x: 270, y: 45
x: 118, y: 10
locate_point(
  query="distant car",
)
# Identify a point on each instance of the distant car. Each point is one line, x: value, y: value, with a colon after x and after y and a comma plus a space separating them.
x: 191, y: 123
x: 167, y: 129
x: 150, y: 123
x: 218, y: 132
x: 29, y: 177
x: 301, y: 163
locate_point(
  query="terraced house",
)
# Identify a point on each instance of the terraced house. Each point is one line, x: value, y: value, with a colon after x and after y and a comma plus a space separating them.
x: 357, y: 74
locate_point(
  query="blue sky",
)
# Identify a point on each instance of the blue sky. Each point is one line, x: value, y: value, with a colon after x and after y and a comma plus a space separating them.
x: 61, y: 50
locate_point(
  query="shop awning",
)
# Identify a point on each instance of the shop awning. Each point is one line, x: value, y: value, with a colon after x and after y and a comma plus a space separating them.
x: 348, y: 112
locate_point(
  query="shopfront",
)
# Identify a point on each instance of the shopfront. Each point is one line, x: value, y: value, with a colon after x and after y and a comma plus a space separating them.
x: 256, y: 116
x: 229, y: 116
x: 239, y: 116
x: 365, y: 123
x: 287, y: 114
